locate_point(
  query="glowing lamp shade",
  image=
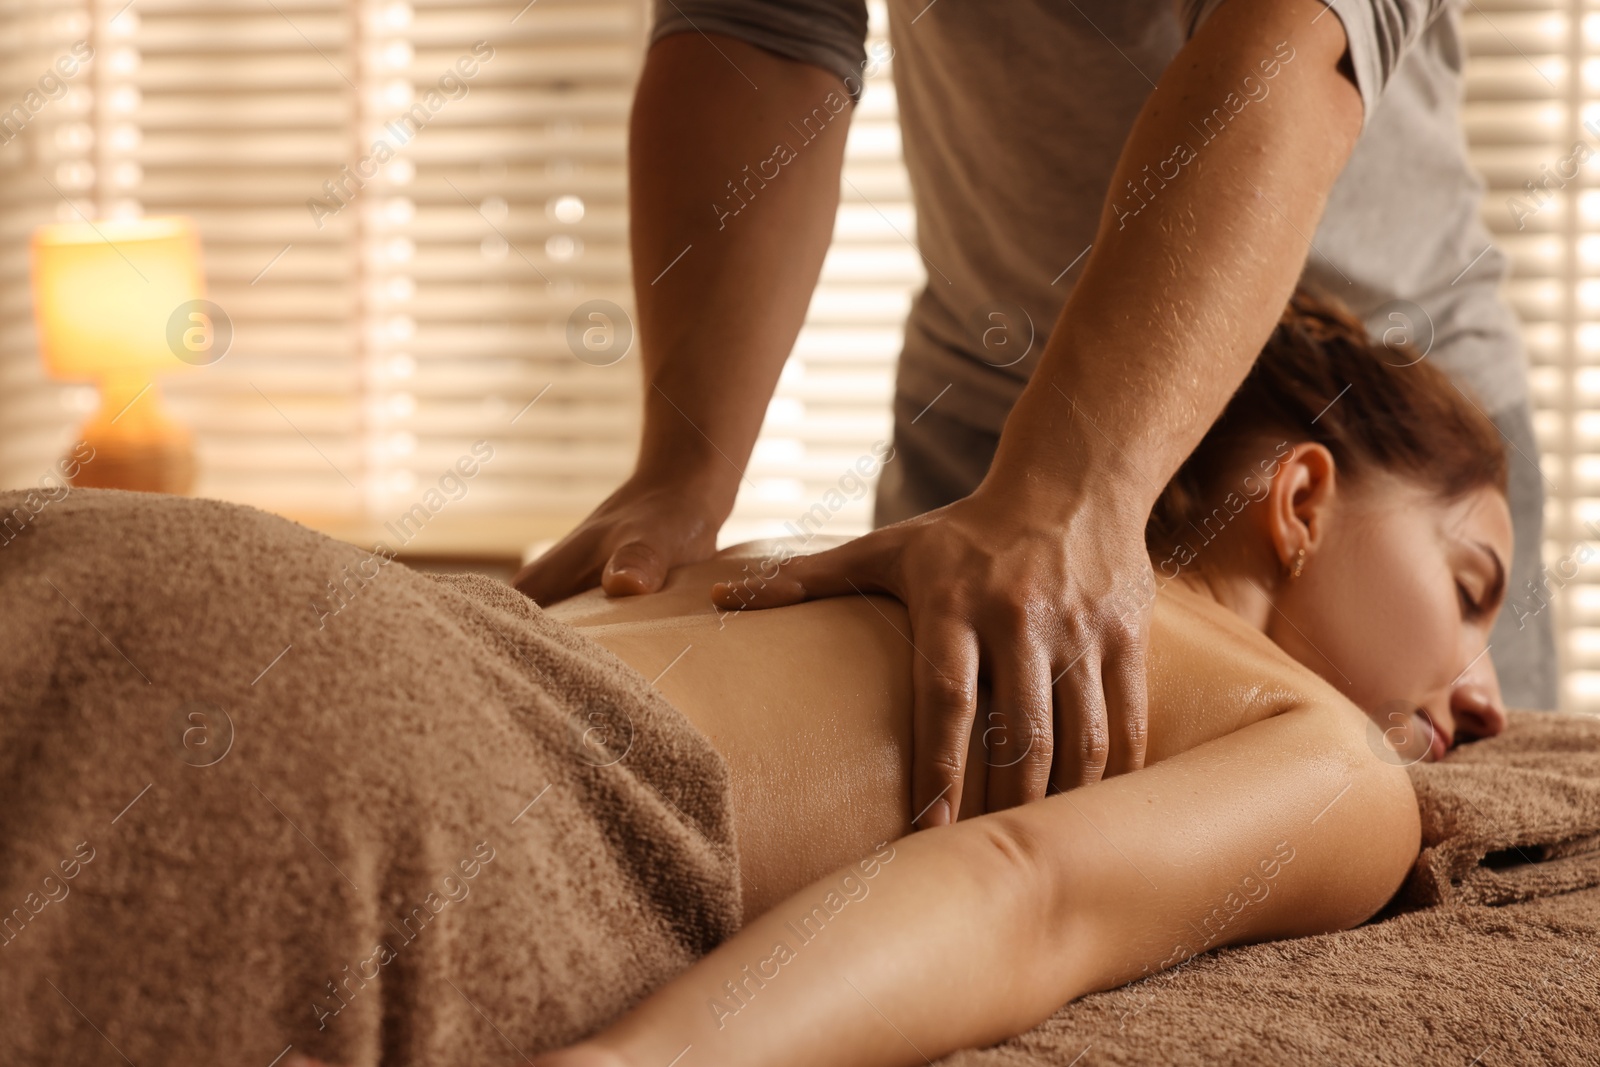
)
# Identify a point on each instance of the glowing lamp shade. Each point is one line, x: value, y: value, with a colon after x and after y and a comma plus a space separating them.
x: 104, y: 294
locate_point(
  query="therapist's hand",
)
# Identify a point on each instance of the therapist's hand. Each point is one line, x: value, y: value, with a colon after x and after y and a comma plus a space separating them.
x: 1055, y: 615
x: 628, y: 543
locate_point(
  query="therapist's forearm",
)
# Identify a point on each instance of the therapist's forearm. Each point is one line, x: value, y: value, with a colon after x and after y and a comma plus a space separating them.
x: 1175, y: 302
x: 728, y: 236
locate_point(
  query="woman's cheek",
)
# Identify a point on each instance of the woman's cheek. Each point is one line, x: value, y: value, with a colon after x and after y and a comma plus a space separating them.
x: 1412, y: 629
x: 1372, y: 619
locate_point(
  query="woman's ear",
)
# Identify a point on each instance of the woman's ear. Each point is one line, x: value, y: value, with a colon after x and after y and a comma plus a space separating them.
x: 1299, y: 502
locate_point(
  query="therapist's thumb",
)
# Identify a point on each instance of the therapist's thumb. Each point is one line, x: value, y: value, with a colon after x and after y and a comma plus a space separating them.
x: 853, y: 567
x: 637, y: 567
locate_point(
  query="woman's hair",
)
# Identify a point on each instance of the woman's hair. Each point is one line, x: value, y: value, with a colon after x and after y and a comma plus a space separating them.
x: 1375, y: 406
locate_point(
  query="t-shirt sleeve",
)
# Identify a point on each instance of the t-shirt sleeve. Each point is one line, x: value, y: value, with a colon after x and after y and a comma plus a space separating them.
x: 830, y: 34
x: 1380, y: 33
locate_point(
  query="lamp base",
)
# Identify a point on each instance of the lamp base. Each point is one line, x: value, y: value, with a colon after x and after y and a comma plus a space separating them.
x: 160, y: 463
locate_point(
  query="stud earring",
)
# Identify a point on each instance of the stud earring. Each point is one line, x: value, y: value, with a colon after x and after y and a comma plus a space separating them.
x: 1299, y: 563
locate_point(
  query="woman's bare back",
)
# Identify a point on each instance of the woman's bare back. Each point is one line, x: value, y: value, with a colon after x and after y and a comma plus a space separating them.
x: 811, y: 705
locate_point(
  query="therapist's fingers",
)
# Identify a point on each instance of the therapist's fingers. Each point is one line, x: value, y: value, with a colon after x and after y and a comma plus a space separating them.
x: 944, y: 686
x: 628, y: 544
x: 1127, y: 710
x: 637, y: 567
x: 1082, y: 740
x: 1017, y: 729
x: 858, y: 566
x: 565, y: 570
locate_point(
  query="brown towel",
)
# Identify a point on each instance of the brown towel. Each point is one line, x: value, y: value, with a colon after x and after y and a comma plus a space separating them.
x: 1468, y: 985
x: 1513, y: 817
x: 1490, y: 954
x: 397, y: 817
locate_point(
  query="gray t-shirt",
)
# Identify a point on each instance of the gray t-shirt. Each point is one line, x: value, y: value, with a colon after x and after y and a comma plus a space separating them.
x: 1014, y: 115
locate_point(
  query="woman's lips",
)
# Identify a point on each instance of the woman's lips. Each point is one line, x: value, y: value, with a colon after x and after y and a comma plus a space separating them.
x: 1439, y: 745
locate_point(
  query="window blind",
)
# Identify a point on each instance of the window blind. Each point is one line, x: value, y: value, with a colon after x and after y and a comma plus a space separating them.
x: 44, y: 122
x: 1532, y: 73
x: 402, y: 203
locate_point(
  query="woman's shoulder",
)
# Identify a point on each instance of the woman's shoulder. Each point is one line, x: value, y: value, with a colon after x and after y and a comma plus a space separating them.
x: 1209, y: 672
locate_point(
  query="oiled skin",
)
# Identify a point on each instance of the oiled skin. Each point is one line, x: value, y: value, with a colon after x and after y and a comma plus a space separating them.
x: 811, y: 704
x: 1264, y: 811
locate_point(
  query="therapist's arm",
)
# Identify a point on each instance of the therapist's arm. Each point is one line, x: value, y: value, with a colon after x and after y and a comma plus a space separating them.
x: 1041, y: 574
x: 724, y: 264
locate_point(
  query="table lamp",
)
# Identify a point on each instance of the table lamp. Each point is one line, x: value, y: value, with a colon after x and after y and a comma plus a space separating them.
x: 103, y: 296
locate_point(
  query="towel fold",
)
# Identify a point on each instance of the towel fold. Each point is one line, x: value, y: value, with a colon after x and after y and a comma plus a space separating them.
x: 1510, y: 818
x: 260, y: 790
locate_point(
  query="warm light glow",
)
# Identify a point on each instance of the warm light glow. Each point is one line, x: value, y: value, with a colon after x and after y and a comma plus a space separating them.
x: 104, y: 293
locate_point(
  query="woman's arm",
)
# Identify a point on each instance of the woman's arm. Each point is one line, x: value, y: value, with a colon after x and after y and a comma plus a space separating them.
x: 966, y: 934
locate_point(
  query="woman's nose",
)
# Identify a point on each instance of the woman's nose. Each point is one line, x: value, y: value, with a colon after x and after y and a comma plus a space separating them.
x: 1475, y: 705
x: 1470, y: 709
x: 1476, y: 714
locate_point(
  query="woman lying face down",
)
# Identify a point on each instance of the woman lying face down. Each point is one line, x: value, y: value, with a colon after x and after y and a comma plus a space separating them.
x: 370, y: 750
x: 1327, y: 566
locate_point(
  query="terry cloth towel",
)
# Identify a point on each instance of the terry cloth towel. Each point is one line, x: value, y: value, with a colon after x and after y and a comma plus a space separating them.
x: 261, y: 789
x: 1489, y: 955
x: 1512, y: 818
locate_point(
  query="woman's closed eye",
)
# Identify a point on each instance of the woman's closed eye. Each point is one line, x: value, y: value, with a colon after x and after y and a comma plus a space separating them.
x: 1471, y: 609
